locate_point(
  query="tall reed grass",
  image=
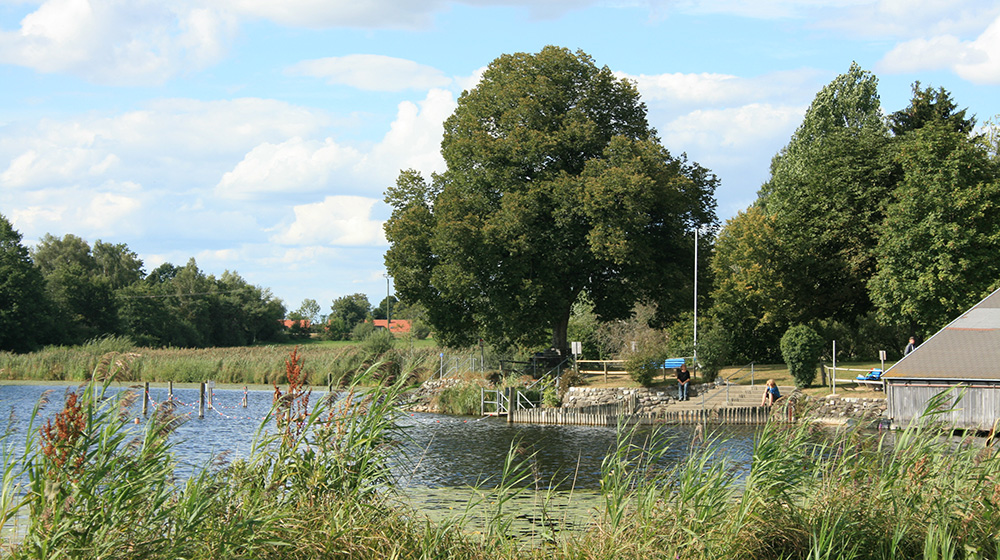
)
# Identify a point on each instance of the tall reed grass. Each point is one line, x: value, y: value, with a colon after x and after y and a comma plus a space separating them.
x: 318, y: 485
x: 240, y: 365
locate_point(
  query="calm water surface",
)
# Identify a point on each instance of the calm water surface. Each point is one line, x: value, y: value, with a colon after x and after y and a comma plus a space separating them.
x: 438, y: 451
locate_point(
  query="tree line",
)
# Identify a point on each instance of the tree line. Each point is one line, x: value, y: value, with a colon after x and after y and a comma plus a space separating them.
x: 561, y: 215
x: 65, y: 291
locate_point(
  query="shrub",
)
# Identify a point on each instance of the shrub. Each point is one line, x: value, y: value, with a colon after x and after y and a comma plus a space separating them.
x: 362, y: 330
x: 713, y: 351
x: 801, y: 348
x: 644, y: 365
x: 376, y: 343
x: 420, y: 330
x: 463, y: 399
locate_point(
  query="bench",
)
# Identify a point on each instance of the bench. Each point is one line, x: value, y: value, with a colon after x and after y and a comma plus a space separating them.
x: 673, y: 363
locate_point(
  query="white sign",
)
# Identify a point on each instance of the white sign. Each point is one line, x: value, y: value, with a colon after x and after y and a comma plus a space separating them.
x: 577, y: 348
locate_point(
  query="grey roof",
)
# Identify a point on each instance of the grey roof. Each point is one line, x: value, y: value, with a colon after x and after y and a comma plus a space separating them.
x: 968, y: 348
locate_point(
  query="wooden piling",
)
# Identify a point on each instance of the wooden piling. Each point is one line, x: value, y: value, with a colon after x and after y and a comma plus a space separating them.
x: 201, y: 400
x: 170, y: 390
x: 244, y: 396
x: 145, y: 398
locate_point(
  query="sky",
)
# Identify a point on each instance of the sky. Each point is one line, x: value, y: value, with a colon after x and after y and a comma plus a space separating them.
x: 258, y: 136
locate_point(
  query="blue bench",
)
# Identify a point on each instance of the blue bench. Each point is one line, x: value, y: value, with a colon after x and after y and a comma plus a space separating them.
x: 673, y: 363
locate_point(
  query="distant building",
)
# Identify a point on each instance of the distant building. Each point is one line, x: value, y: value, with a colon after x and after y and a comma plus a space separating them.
x: 398, y: 326
x: 302, y: 323
x: 964, y: 356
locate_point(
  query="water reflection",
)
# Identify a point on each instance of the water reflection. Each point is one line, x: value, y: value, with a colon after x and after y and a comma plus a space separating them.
x: 435, y: 451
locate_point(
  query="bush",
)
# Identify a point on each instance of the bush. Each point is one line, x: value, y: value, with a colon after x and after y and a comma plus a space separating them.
x: 713, y: 351
x: 420, y: 330
x: 362, y: 330
x: 644, y: 365
x: 376, y: 343
x: 464, y: 399
x: 801, y: 348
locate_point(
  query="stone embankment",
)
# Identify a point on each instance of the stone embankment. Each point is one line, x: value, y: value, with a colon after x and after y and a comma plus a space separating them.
x: 844, y: 410
x: 657, y: 403
x: 651, y: 401
x: 422, y: 400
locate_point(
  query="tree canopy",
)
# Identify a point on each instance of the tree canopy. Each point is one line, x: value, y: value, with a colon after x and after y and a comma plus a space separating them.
x: 868, y: 224
x: 21, y: 293
x: 556, y: 186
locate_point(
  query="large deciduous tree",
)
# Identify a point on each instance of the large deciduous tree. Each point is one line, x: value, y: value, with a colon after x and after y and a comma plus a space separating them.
x: 556, y: 185
x: 827, y: 193
x: 940, y: 242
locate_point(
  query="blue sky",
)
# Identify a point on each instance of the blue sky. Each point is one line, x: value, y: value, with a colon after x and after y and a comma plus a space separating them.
x: 258, y: 136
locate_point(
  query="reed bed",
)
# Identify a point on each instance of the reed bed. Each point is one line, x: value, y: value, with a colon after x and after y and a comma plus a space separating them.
x: 318, y: 485
x: 239, y: 365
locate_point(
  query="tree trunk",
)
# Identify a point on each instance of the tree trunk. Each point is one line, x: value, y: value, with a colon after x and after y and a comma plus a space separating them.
x: 559, y: 334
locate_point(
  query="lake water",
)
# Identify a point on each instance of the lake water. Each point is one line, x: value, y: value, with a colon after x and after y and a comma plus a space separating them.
x: 439, y: 451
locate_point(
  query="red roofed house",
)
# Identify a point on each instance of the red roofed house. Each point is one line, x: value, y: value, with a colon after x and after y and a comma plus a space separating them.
x: 399, y: 326
x: 303, y: 324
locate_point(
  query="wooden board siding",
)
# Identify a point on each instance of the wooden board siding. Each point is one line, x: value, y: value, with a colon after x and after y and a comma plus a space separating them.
x: 977, y: 406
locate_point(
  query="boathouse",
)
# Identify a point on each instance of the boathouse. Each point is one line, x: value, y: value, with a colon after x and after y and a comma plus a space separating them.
x: 963, y: 357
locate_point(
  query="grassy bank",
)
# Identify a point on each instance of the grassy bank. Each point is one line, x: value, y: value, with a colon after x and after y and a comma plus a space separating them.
x: 96, y: 486
x: 327, y: 362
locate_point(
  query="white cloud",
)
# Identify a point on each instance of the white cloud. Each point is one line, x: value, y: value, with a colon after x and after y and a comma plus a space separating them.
x: 910, y: 19
x: 413, y: 140
x: 107, y: 211
x: 407, y: 14
x: 372, y: 72
x: 710, y: 89
x: 977, y: 60
x: 295, y: 165
x: 337, y: 220
x: 734, y: 129
x: 117, y: 41
x: 175, y: 139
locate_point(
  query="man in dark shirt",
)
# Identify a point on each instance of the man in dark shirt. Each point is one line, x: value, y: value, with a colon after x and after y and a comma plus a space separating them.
x: 683, y: 377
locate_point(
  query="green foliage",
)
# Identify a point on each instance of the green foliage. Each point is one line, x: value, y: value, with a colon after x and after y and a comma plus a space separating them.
x: 646, y: 363
x: 377, y: 342
x: 363, y: 330
x: 714, y: 343
x: 550, y: 397
x: 801, y: 347
x: 420, y: 330
x: 350, y: 310
x: 750, y: 300
x: 463, y: 399
x: 929, y: 106
x: 22, y: 299
x: 941, y: 235
x: 556, y: 186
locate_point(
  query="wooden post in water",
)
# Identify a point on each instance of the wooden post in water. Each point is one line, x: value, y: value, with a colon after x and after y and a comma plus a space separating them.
x: 170, y: 390
x: 210, y: 387
x: 244, y: 396
x: 201, y: 400
x: 145, y: 398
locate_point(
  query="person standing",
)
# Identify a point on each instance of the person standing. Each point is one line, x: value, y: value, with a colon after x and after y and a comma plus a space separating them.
x: 683, y: 379
x: 910, y: 347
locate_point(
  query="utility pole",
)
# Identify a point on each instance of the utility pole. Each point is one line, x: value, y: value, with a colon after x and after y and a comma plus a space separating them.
x: 696, y: 299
